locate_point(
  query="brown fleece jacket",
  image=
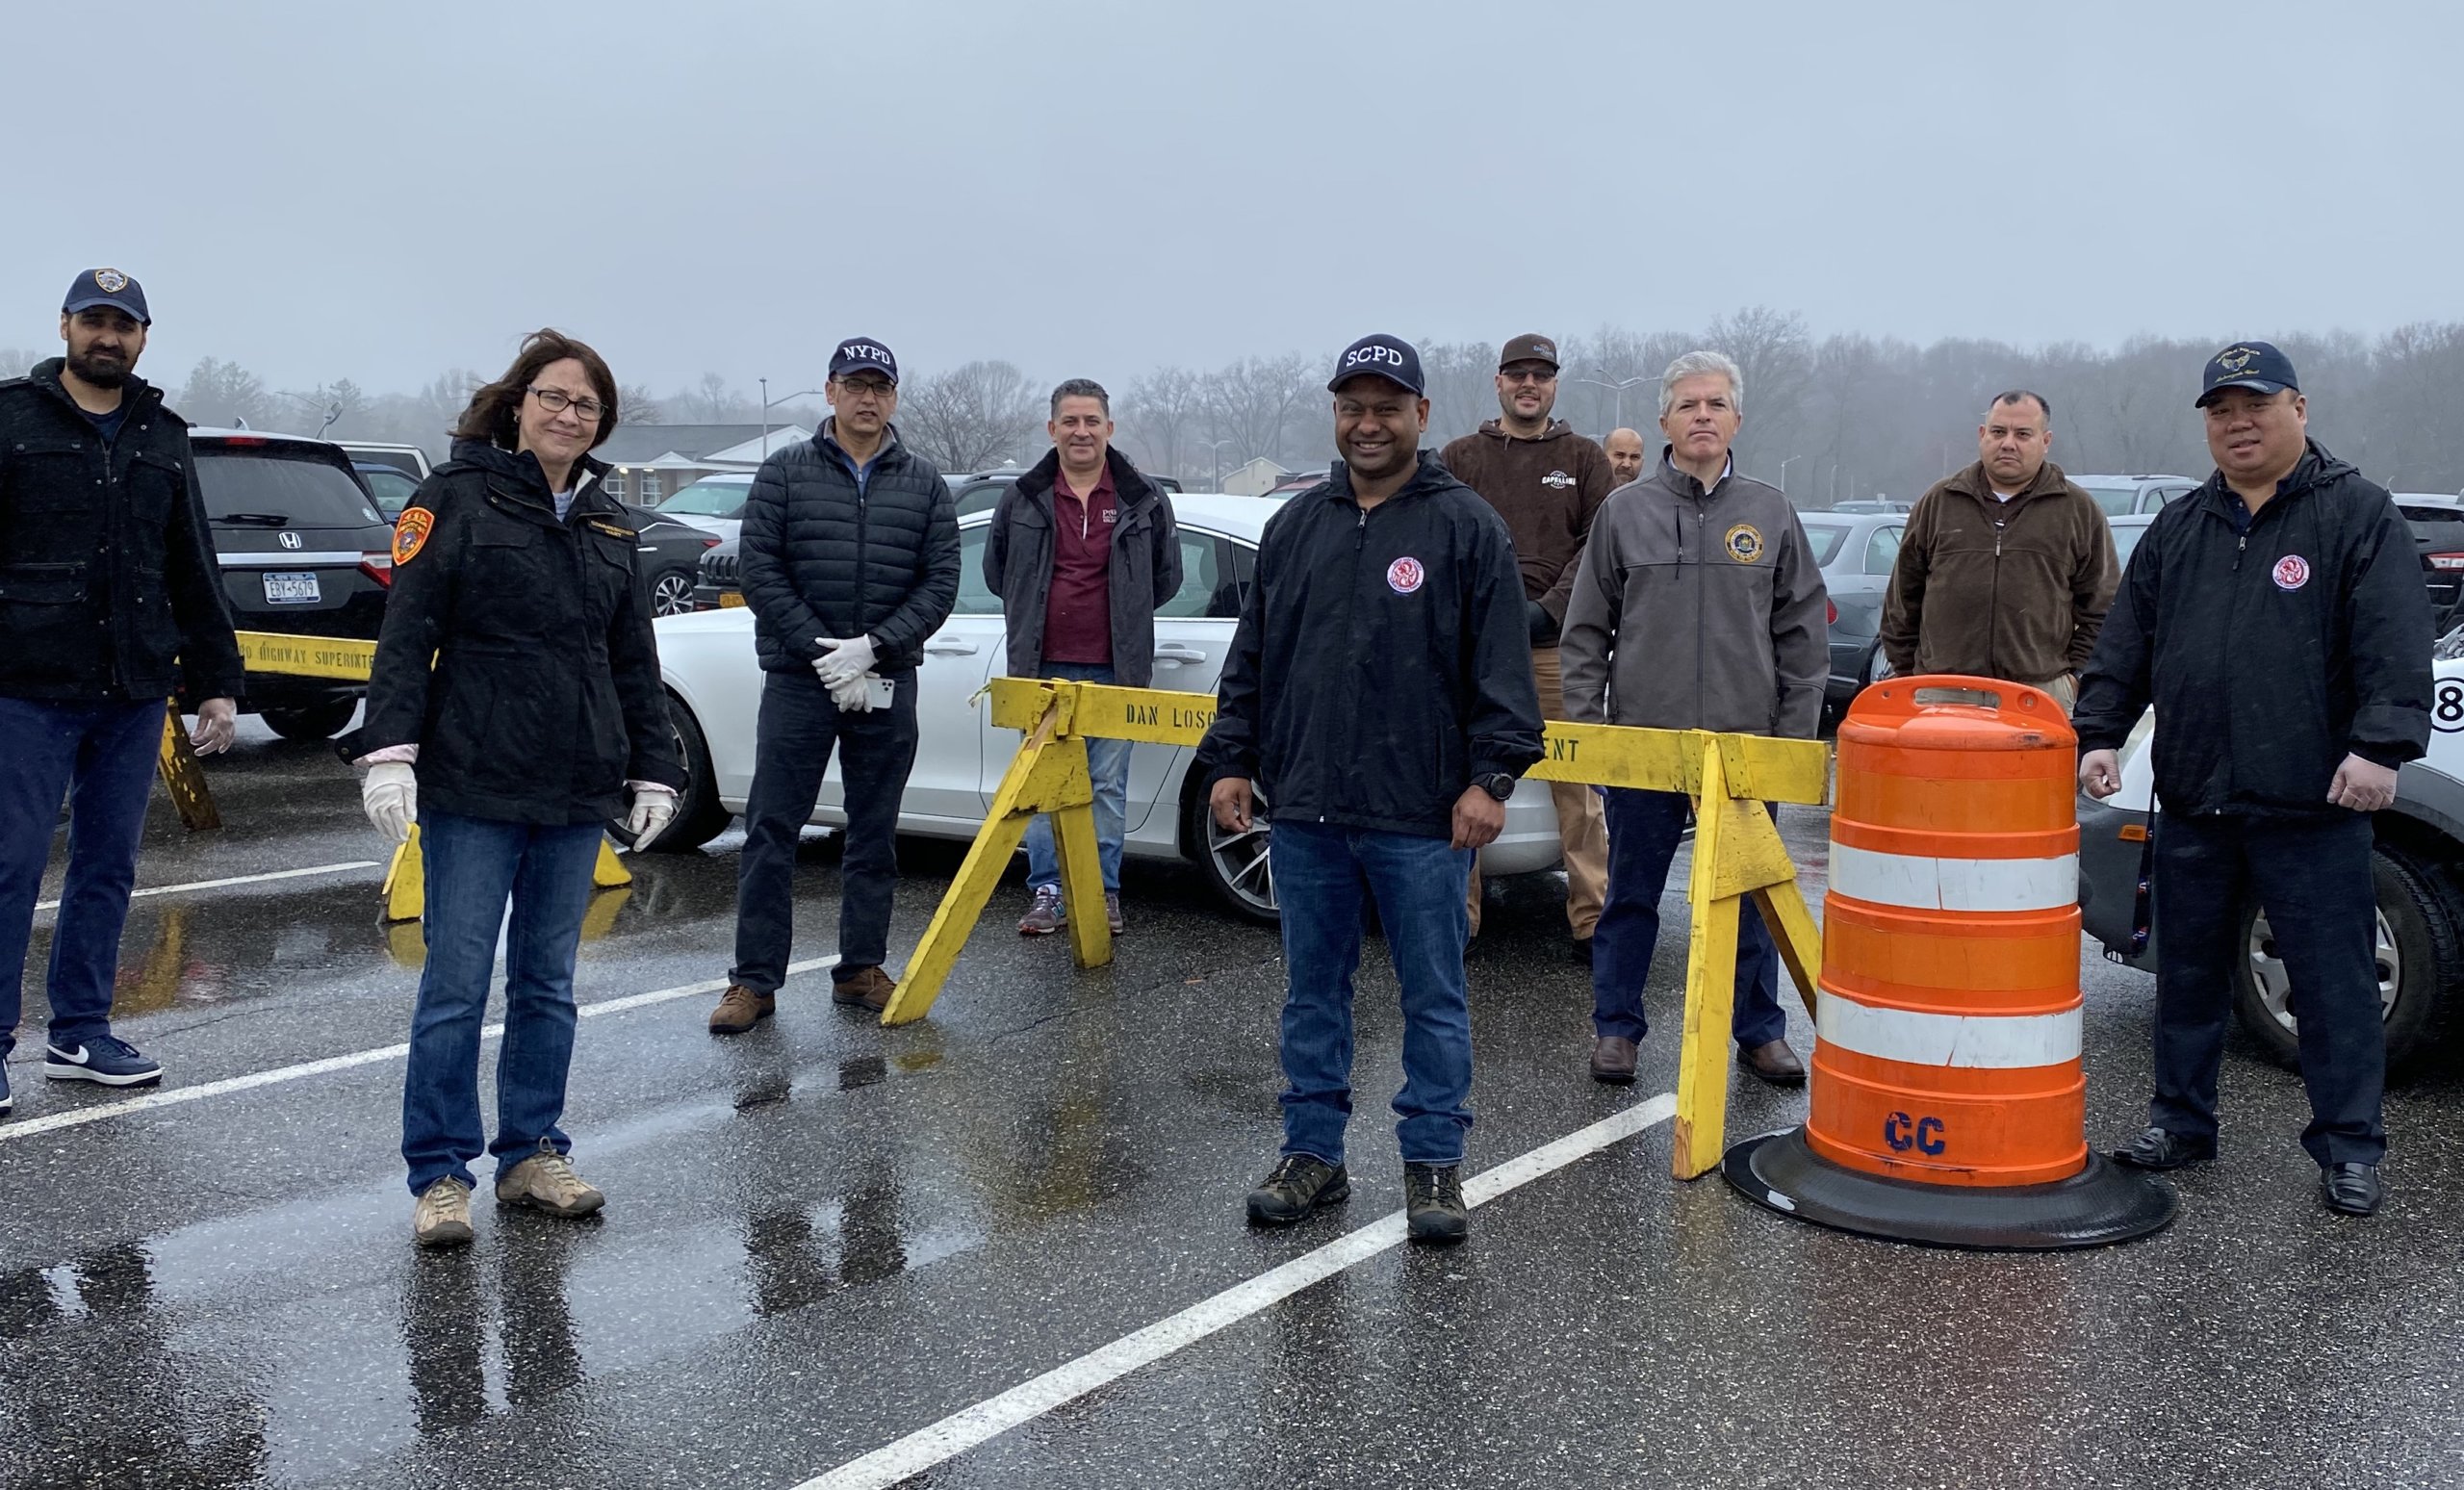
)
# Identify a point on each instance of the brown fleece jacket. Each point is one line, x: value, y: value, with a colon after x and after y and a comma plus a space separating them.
x: 2014, y: 590
x: 1547, y: 490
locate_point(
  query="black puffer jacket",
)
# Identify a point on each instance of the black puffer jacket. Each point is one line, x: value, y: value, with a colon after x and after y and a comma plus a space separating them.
x: 2268, y: 655
x: 109, y: 587
x: 544, y: 699
x: 819, y: 557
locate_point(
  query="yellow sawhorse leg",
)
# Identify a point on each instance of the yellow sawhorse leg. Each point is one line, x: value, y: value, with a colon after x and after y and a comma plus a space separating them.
x: 406, y: 889
x: 183, y: 778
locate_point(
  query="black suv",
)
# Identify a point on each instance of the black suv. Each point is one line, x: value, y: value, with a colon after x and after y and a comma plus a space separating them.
x: 303, y: 551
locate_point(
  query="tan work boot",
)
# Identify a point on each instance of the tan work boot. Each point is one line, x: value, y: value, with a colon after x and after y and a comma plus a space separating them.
x: 545, y: 1181
x: 868, y: 988
x: 740, y: 1009
x: 441, y: 1217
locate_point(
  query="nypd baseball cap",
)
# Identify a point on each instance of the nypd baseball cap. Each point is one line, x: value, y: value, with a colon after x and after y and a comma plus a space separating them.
x: 106, y: 286
x: 864, y: 354
x: 2253, y: 365
x: 1531, y: 347
x: 1389, y: 357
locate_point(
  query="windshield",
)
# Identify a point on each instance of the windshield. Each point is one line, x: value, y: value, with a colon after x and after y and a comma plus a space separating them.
x: 710, y: 499
x: 1826, y: 538
x: 394, y: 488
x: 280, y: 488
x: 2117, y: 501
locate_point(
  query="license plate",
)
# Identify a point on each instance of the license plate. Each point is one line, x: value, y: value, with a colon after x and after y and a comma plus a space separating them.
x: 295, y: 587
x: 730, y: 599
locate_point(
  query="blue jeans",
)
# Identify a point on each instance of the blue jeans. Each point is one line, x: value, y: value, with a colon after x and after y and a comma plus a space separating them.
x: 1108, y: 763
x: 101, y: 757
x: 1322, y: 875
x: 474, y: 866
x: 1644, y: 830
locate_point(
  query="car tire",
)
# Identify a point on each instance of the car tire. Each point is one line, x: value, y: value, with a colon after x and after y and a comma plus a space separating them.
x: 700, y: 814
x: 672, y: 592
x: 1236, y: 866
x: 2421, y: 953
x: 310, y: 721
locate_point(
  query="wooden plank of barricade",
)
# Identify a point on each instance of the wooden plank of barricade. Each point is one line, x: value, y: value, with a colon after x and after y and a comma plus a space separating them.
x: 405, y: 892
x: 183, y: 778
x: 346, y: 657
x: 1710, y: 983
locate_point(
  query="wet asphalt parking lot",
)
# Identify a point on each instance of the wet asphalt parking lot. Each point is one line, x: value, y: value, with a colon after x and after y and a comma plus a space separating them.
x: 835, y: 1251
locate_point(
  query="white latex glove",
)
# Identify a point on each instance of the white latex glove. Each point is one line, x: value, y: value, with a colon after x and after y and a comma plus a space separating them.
x: 391, y: 797
x: 652, y: 807
x: 854, y: 696
x: 845, y: 660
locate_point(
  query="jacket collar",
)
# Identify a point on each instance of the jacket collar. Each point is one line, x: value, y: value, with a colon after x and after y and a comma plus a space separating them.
x: 1684, y: 484
x: 134, y: 395
x: 826, y: 440
x: 1555, y: 428
x: 1427, y: 476
x: 519, y: 476
x: 2316, y: 467
x: 1975, y: 482
x: 1130, y: 486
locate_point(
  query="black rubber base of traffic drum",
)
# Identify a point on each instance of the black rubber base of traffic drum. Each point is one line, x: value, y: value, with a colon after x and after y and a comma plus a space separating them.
x: 2102, y: 1205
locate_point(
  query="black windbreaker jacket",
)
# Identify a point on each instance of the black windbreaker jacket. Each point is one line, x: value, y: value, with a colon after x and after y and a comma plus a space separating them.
x: 109, y: 587
x: 544, y: 697
x: 1382, y: 660
x: 2268, y: 655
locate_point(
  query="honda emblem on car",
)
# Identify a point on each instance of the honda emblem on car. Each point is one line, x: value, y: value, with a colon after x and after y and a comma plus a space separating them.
x: 288, y: 540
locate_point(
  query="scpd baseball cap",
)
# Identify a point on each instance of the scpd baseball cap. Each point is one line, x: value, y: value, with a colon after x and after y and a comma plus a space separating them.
x: 1531, y: 347
x: 1389, y: 357
x: 864, y: 354
x: 2253, y: 365
x: 106, y: 286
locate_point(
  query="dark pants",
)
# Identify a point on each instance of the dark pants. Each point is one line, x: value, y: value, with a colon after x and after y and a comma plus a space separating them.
x: 473, y: 867
x: 1322, y: 876
x: 1644, y: 830
x: 799, y: 727
x: 2314, y: 878
x: 101, y: 757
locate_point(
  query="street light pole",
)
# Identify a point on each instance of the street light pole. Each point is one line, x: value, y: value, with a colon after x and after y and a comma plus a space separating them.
x: 1783, y: 473
x: 1214, y: 461
x: 1619, y: 389
x: 768, y: 403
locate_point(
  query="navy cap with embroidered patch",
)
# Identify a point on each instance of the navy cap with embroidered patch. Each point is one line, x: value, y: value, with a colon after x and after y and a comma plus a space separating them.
x: 106, y: 286
x: 862, y: 354
x: 2254, y: 365
x: 1389, y: 357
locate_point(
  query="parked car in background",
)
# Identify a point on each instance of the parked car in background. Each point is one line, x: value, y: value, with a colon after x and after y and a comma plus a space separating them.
x: 408, y: 459
x: 1871, y: 506
x: 715, y: 503
x: 2437, y: 521
x: 983, y: 491
x: 716, y: 586
x: 391, y: 487
x: 714, y: 689
x: 671, y: 553
x: 1855, y: 552
x: 2128, y: 529
x: 303, y: 551
x: 2121, y: 495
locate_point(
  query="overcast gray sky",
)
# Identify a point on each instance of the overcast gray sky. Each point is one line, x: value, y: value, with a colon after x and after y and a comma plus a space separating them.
x: 384, y: 192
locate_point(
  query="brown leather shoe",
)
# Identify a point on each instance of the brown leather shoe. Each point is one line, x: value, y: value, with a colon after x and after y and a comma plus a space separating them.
x: 1613, y: 1060
x: 740, y: 1009
x: 1775, y: 1063
x: 863, y: 988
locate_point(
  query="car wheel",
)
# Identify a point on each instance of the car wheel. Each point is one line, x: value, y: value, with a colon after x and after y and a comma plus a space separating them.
x: 2419, y: 951
x: 671, y: 593
x: 700, y: 814
x: 310, y: 721
x: 1237, y: 864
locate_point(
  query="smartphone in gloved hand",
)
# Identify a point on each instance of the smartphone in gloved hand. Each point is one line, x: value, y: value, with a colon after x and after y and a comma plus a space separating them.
x: 882, y: 691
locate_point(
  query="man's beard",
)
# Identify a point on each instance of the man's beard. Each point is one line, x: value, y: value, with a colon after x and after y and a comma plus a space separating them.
x: 109, y: 371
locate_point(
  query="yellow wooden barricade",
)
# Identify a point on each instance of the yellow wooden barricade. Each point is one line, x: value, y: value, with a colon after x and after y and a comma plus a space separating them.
x: 1737, y: 852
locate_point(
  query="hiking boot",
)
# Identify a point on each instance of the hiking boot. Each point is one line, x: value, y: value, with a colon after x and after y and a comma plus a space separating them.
x: 740, y: 1009
x: 1433, y: 1203
x: 1300, y: 1185
x: 105, y: 1060
x: 545, y: 1181
x: 442, y: 1216
x: 861, y: 988
x: 1047, y: 915
x: 1111, y: 911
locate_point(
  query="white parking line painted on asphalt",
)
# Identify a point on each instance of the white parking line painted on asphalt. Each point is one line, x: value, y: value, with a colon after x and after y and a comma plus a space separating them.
x: 1023, y: 1403
x: 52, y: 1122
x: 238, y: 878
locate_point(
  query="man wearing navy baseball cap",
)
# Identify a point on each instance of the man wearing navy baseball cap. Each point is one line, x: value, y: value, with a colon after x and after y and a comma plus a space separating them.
x: 849, y: 556
x: 2276, y: 621
x: 109, y: 599
x: 1361, y: 580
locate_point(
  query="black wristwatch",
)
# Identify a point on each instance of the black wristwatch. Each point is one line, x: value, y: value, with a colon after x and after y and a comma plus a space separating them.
x: 1497, y: 785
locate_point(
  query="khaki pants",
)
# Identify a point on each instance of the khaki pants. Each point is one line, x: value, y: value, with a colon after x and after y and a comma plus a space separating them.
x: 1581, y: 833
x: 2066, y: 692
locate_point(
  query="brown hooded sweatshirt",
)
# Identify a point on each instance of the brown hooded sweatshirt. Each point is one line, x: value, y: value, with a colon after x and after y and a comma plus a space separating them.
x: 1547, y: 489
x: 2014, y: 590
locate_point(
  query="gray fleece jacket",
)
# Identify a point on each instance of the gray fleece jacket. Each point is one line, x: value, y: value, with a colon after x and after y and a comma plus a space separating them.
x: 1698, y: 610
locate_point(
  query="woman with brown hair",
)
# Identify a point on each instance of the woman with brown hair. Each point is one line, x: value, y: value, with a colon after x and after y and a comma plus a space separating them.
x: 513, y: 706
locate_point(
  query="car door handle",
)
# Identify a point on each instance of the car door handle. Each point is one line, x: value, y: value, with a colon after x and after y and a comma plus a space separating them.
x: 1172, y: 654
x: 951, y: 647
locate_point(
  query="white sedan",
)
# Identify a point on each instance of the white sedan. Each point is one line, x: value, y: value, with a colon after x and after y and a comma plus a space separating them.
x: 715, y: 688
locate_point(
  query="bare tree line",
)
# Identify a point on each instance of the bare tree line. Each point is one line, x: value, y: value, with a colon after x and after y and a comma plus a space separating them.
x: 1844, y: 416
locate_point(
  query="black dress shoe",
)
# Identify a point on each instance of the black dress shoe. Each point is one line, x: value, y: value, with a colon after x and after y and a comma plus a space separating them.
x: 2162, y: 1148
x: 1581, y: 950
x: 2351, y: 1189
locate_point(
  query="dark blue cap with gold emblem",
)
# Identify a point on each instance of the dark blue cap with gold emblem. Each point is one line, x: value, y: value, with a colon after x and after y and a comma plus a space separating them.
x: 2253, y: 365
x: 106, y: 286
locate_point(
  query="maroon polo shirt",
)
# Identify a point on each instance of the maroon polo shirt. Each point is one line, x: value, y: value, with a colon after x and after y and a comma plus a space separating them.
x: 1078, y: 617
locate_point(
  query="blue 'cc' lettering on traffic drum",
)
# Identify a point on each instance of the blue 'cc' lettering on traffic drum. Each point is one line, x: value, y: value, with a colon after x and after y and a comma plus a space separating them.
x: 1923, y: 1134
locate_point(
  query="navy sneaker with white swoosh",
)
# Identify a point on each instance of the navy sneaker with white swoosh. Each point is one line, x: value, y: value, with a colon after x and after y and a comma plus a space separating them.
x: 7, y: 1103
x: 103, y: 1059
